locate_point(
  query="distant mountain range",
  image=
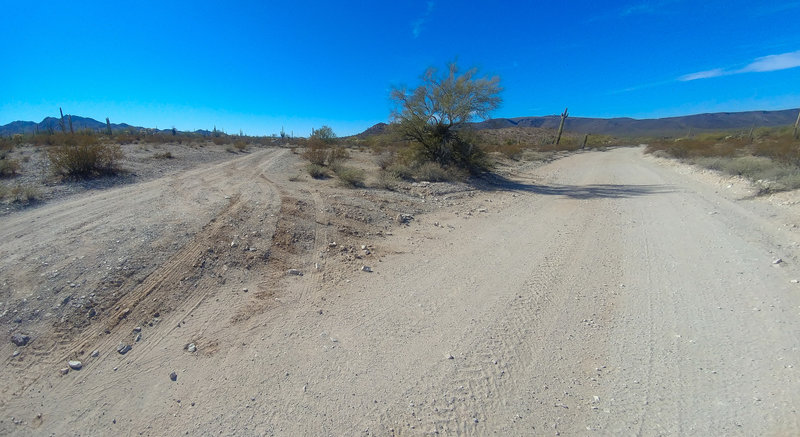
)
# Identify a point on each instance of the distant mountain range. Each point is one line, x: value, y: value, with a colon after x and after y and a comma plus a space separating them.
x: 622, y: 127
x: 670, y: 126
x: 78, y: 123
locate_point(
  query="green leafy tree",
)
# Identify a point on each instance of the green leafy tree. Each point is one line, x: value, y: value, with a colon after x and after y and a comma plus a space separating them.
x: 435, y: 114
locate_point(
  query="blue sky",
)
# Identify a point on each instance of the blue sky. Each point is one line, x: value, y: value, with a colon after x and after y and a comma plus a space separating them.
x: 258, y: 66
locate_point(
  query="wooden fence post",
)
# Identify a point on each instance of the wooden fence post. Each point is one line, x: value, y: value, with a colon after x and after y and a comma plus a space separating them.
x: 564, y: 116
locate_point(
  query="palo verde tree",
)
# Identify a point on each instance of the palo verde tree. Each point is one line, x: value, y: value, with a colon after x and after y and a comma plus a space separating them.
x: 435, y: 114
x: 323, y: 135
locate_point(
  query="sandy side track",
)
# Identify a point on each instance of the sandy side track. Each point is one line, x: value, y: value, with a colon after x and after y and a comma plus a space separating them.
x: 601, y: 294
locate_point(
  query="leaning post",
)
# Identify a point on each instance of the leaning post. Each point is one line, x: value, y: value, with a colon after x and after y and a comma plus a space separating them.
x: 564, y: 116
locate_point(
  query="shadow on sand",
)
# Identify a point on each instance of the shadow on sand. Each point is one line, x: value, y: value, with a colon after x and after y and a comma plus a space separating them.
x: 494, y: 182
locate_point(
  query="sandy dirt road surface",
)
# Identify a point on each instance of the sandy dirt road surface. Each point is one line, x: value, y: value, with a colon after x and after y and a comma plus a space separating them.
x: 602, y: 294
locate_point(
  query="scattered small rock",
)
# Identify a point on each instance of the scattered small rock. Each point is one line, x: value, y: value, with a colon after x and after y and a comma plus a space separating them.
x: 137, y: 329
x: 245, y: 290
x: 450, y: 357
x: 15, y: 354
x: 295, y: 272
x: 123, y: 348
x: 367, y: 269
x: 138, y: 337
x: 404, y: 218
x: 20, y: 339
x: 75, y: 365
x: 173, y: 376
x: 191, y: 348
x: 95, y: 353
x: 777, y: 261
x: 794, y: 281
x: 64, y: 371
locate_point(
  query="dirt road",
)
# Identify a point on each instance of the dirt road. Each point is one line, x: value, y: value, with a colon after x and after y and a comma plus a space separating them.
x: 601, y: 294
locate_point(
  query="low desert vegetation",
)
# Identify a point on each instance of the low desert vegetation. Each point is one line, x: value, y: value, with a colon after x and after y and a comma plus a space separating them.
x: 8, y: 167
x: 317, y: 171
x: 350, y: 177
x: 768, y: 156
x: 19, y: 193
x: 84, y: 156
x: 326, y: 155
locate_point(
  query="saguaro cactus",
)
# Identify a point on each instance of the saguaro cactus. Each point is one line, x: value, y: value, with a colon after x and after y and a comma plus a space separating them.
x: 63, y: 126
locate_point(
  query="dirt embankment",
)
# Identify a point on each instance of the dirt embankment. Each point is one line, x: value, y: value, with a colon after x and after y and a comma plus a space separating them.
x: 602, y: 293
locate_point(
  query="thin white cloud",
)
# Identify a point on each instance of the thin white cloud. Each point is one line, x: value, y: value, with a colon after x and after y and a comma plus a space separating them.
x: 773, y: 63
x: 703, y: 75
x: 420, y: 22
x: 783, y: 61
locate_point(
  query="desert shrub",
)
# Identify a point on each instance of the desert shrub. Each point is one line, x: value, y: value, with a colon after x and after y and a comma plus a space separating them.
x: 317, y: 171
x: 384, y: 160
x: 8, y: 167
x: 316, y: 154
x: 24, y: 194
x: 163, y: 155
x: 220, y: 140
x: 789, y: 181
x: 349, y: 176
x: 433, y: 172
x: 387, y: 181
x: 240, y: 145
x: 85, y: 157
x: 399, y: 170
x: 337, y: 154
x: 772, y: 175
x: 511, y: 149
x: 322, y: 154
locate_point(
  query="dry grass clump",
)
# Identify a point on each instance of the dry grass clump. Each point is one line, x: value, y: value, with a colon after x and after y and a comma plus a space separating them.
x: 20, y: 193
x: 433, y: 172
x: 317, y: 171
x: 8, y: 167
x: 349, y: 176
x: 240, y: 145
